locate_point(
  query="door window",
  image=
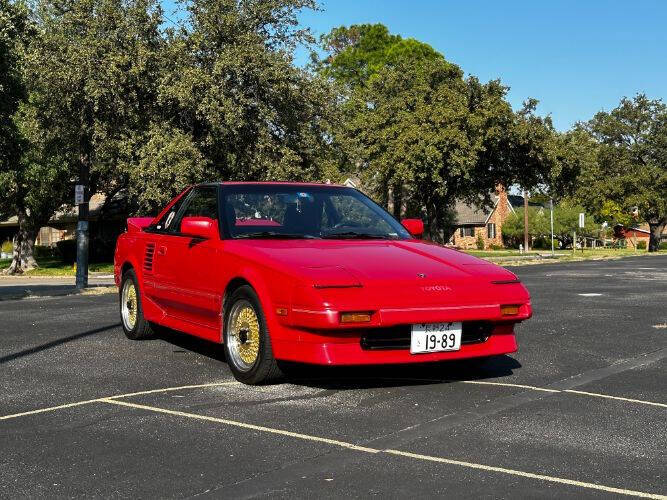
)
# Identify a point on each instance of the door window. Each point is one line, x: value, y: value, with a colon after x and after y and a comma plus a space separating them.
x: 167, y: 220
x: 203, y: 202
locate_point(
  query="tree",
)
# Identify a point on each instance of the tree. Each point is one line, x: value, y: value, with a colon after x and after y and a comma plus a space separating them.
x: 231, y: 92
x: 95, y: 68
x: 13, y: 30
x: 576, y: 151
x: 631, y: 166
x: 421, y: 135
x: 357, y: 52
x: 566, y: 223
x: 89, y: 69
x: 17, y: 175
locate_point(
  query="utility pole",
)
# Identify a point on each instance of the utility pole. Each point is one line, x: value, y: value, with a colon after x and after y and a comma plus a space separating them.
x: 81, y: 198
x: 525, y: 220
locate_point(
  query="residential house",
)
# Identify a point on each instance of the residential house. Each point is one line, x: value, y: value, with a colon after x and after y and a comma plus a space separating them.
x: 473, y: 221
x: 106, y: 223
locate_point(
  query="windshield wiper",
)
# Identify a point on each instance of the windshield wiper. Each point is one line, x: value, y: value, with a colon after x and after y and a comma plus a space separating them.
x: 354, y: 235
x: 275, y: 235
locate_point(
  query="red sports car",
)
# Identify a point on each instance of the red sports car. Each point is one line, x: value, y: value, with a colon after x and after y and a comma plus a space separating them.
x: 312, y: 273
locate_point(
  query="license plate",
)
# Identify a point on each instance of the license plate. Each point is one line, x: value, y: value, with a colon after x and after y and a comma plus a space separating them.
x: 435, y: 337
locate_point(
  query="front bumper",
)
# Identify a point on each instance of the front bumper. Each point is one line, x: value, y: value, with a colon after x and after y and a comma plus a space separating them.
x: 346, y: 348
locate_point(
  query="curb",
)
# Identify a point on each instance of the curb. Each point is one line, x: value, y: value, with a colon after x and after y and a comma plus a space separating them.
x: 29, y: 294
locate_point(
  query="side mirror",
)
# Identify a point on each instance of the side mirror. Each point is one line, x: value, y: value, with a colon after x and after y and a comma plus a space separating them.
x: 200, y: 227
x: 414, y: 226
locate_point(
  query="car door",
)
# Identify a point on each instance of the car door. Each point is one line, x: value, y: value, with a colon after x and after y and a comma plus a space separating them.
x: 157, y: 266
x: 192, y: 291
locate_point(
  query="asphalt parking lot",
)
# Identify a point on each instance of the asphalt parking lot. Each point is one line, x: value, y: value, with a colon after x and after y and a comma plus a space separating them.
x: 580, y: 411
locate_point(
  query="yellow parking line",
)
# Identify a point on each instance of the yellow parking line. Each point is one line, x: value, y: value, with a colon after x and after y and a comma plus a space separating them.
x: 607, y: 396
x: 365, y: 449
x: 571, y: 391
x: 169, y: 389
x: 50, y: 408
x: 541, y: 477
x: 520, y: 386
x: 97, y: 400
x: 244, y: 425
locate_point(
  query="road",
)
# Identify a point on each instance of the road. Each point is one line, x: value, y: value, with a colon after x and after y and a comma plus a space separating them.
x: 579, y: 412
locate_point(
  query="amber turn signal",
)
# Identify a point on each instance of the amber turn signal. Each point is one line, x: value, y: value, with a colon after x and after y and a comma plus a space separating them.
x: 355, y: 317
x: 281, y: 311
x: 509, y: 310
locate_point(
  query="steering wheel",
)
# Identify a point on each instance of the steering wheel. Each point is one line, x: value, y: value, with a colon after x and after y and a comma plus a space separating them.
x: 347, y: 223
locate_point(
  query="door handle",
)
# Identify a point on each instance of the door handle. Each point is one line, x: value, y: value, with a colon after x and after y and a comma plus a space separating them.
x: 162, y: 250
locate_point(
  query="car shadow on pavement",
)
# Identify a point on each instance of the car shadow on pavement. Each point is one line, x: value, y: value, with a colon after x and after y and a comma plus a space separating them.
x: 367, y: 377
x: 191, y: 343
x: 55, y: 343
x: 362, y: 377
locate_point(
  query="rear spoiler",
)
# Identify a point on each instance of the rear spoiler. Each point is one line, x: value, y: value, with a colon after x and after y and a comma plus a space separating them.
x: 136, y: 224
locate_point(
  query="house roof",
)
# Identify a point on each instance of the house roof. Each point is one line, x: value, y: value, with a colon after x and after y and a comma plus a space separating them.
x: 472, y: 214
x: 67, y: 214
x: 467, y: 213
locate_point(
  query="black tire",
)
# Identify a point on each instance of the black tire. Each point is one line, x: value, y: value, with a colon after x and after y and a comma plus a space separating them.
x: 265, y: 368
x: 140, y: 329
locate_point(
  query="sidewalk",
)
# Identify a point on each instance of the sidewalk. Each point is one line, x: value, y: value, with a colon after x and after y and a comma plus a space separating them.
x: 18, y: 287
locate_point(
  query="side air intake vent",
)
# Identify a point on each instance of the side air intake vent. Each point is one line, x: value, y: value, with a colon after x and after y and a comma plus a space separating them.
x: 148, y: 257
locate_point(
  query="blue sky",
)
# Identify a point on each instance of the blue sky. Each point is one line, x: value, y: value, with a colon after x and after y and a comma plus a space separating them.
x: 575, y: 57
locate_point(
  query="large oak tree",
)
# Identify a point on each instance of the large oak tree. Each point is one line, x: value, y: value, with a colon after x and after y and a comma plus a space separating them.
x: 421, y: 134
x: 631, y: 166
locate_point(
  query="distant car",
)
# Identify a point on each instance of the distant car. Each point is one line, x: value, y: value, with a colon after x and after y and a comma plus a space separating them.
x: 311, y: 273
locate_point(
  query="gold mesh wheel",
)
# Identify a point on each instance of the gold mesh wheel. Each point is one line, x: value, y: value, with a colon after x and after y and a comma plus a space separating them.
x: 129, y: 304
x: 243, y: 335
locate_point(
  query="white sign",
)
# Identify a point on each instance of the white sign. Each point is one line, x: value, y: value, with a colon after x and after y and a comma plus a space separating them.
x: 79, y: 191
x: 581, y: 220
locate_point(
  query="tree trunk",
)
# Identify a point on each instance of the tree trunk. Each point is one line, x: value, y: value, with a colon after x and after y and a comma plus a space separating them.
x: 656, y: 229
x: 397, y: 194
x: 24, y: 244
x: 430, y: 222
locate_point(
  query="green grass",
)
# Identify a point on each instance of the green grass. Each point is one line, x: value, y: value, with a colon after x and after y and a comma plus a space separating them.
x: 55, y: 267
x: 563, y: 255
x: 498, y: 253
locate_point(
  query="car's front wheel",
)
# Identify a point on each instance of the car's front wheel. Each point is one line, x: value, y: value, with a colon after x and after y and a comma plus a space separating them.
x: 132, y: 318
x: 246, y: 339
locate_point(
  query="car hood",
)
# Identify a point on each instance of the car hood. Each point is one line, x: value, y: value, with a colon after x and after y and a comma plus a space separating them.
x: 372, y: 261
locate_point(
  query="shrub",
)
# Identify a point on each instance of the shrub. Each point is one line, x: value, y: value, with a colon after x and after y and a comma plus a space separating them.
x: 495, y: 246
x: 7, y: 247
x: 662, y: 245
x: 67, y: 251
x: 541, y: 244
x: 641, y: 245
x: 44, y: 252
x: 101, y: 249
x: 480, y: 241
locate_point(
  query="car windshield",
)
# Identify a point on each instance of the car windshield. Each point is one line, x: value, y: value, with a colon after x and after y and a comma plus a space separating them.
x: 274, y: 211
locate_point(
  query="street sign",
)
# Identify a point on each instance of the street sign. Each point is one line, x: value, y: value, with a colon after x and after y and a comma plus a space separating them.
x: 581, y: 220
x: 79, y: 191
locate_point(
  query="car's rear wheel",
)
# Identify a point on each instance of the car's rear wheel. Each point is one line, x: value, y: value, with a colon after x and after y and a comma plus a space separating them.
x: 132, y: 318
x: 247, y: 341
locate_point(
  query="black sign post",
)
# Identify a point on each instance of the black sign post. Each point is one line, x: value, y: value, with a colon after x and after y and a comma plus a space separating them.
x: 81, y: 200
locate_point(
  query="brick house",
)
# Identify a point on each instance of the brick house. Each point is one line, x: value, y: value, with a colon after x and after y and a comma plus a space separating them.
x: 472, y: 221
x: 633, y: 234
